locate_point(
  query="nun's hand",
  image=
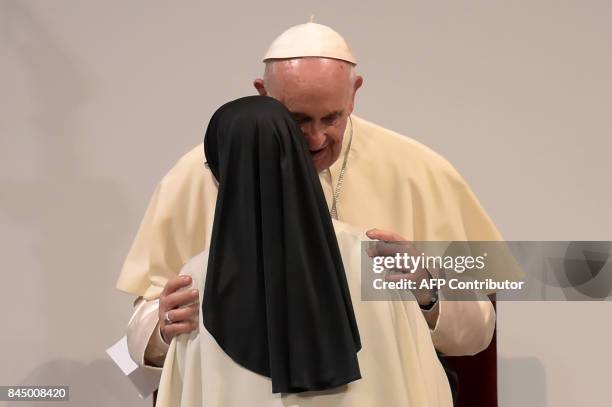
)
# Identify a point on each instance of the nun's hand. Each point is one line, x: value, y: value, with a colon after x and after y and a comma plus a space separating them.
x: 178, y: 308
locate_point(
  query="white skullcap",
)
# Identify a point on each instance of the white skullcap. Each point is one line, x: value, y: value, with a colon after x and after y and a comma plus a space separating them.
x: 310, y: 40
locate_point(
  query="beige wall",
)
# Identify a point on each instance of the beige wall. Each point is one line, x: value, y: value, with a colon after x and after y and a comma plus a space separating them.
x: 98, y: 99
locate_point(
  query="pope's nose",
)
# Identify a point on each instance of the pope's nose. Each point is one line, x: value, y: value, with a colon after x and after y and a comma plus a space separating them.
x: 315, y: 137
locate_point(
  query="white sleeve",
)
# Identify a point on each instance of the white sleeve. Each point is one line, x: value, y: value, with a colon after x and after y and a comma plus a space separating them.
x: 463, y: 327
x: 145, y: 345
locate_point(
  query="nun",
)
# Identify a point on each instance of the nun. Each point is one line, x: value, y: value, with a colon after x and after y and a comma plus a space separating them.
x: 281, y: 321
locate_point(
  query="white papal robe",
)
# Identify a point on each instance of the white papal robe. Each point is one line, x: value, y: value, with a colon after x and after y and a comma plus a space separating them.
x: 398, y: 362
x: 391, y: 182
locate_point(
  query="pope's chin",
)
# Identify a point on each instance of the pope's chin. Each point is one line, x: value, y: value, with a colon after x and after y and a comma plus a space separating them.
x: 322, y: 159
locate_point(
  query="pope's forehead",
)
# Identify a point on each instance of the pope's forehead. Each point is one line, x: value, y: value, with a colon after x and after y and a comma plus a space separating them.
x: 311, y: 69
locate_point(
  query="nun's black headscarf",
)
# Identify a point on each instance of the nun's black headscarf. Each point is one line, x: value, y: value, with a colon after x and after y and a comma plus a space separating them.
x: 276, y: 298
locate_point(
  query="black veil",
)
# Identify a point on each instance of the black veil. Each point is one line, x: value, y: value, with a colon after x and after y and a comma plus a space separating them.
x: 276, y: 297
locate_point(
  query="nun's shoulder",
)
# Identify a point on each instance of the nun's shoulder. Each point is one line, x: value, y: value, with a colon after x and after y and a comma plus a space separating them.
x: 349, y: 233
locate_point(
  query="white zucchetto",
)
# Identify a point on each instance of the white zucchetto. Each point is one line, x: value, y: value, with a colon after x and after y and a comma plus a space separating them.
x: 310, y: 40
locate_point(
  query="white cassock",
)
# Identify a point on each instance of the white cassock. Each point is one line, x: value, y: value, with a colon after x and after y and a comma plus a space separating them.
x: 398, y: 362
x: 391, y: 182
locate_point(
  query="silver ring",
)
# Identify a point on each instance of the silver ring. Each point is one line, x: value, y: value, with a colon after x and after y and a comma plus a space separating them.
x: 167, y: 318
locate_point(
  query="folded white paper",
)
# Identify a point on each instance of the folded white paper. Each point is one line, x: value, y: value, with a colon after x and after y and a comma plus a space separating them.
x: 145, y: 380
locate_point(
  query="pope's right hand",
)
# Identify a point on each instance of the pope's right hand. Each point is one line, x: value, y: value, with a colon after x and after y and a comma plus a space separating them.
x: 181, y: 306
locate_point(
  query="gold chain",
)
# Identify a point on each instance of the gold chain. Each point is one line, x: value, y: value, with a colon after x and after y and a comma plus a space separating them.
x: 336, y: 195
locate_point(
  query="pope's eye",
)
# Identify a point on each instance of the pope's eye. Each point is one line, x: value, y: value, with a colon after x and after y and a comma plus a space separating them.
x: 330, y: 120
x: 302, y: 120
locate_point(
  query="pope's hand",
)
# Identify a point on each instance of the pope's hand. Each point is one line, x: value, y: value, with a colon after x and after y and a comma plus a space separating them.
x: 181, y: 306
x: 391, y: 244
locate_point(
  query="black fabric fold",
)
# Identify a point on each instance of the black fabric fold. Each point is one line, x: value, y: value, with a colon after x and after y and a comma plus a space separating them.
x: 275, y: 298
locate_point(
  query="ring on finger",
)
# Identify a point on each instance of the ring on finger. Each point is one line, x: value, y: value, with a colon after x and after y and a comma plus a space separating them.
x: 167, y: 318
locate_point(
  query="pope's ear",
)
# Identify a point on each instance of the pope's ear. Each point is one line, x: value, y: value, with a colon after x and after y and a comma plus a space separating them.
x: 259, y: 85
x: 357, y: 84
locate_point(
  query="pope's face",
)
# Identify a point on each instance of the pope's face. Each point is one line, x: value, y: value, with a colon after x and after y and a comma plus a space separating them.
x: 319, y: 93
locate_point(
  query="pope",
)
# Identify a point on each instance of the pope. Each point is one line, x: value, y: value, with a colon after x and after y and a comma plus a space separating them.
x: 372, y: 178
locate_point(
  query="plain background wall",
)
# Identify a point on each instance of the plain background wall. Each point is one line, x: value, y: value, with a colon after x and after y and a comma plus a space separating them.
x: 99, y: 99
